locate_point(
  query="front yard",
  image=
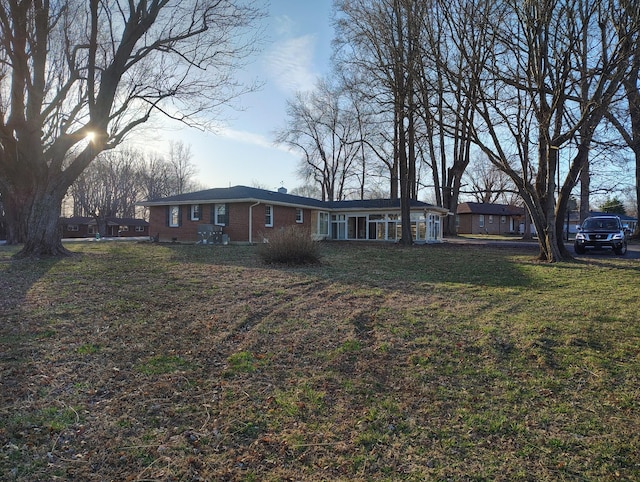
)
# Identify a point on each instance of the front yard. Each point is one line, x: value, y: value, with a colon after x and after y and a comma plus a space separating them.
x: 443, y: 362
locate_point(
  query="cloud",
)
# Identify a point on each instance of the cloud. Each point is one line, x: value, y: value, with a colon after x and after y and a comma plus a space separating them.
x: 284, y: 25
x: 290, y: 64
x: 250, y: 138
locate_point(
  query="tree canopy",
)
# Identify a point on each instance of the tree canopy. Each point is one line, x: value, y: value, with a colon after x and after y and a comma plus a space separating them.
x: 527, y: 85
x: 78, y: 76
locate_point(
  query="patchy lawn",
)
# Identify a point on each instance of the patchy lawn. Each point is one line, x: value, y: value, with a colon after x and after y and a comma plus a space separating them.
x: 190, y: 363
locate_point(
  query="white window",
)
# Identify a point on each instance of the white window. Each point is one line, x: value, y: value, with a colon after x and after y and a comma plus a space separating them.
x: 434, y: 228
x: 195, y: 212
x: 503, y: 219
x: 338, y: 226
x: 490, y: 219
x: 72, y: 227
x: 139, y: 229
x: 323, y: 224
x: 299, y: 215
x: 123, y: 228
x: 174, y: 216
x: 481, y: 220
x: 221, y: 217
x: 268, y: 216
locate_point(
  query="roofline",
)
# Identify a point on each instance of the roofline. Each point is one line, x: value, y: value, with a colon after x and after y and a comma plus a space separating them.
x: 222, y: 201
x: 378, y: 209
x: 290, y: 204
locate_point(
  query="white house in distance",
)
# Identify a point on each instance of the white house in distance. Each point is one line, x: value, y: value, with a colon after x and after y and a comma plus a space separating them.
x: 247, y: 215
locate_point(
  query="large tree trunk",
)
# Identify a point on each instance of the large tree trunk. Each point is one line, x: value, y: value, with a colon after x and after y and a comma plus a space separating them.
x: 405, y: 194
x: 15, y: 218
x: 545, y: 224
x: 636, y: 234
x: 40, y: 210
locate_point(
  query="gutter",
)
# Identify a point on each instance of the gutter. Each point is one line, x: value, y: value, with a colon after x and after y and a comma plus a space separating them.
x: 251, y: 221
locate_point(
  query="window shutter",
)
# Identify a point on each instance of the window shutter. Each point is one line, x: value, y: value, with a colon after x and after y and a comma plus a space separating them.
x: 213, y: 214
x: 179, y: 215
x: 226, y: 214
x: 168, y: 220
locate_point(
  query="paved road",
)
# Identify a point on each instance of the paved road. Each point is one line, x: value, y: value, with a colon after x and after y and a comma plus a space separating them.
x: 633, y: 251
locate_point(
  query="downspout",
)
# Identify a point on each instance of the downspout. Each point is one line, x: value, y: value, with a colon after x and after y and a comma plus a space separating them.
x: 251, y: 221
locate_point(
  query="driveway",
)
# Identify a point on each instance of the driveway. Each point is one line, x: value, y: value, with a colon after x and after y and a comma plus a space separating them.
x: 633, y: 251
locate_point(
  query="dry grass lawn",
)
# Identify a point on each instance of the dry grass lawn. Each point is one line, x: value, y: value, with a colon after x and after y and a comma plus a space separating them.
x: 149, y: 362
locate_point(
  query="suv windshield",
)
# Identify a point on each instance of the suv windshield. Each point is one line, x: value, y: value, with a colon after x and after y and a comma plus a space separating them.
x: 600, y: 224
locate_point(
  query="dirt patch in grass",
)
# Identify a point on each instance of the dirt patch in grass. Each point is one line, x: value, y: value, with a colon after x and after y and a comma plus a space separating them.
x: 150, y: 362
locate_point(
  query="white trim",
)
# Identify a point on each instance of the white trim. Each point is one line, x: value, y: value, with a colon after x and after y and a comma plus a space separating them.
x: 251, y: 221
x: 216, y: 221
x: 195, y: 207
x: 326, y: 234
x: 270, y: 223
x: 173, y: 224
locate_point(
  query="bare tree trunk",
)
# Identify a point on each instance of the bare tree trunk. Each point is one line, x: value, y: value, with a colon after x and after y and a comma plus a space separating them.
x: 15, y: 217
x: 585, y: 187
x: 405, y: 197
x: 394, y: 173
x: 42, y: 209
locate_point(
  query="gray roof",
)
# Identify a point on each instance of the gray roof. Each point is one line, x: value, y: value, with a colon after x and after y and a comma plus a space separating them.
x: 623, y: 217
x: 87, y: 220
x: 252, y: 194
x: 235, y: 194
x: 490, y: 209
x: 376, y: 204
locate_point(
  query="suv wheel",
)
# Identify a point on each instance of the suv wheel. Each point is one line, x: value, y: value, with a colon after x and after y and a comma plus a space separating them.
x: 622, y: 250
x: 578, y: 249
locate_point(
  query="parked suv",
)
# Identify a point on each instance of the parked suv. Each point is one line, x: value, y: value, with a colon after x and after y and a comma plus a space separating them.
x: 602, y: 232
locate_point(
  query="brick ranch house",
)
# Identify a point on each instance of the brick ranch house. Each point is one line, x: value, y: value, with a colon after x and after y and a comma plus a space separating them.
x: 247, y: 215
x: 485, y: 218
x: 87, y: 227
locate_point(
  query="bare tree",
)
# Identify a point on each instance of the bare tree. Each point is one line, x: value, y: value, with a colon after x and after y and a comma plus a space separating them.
x: 383, y: 38
x: 107, y: 188
x: 322, y: 127
x: 377, y: 163
x: 454, y: 48
x: 627, y: 119
x: 183, y: 169
x: 78, y: 76
x: 488, y: 184
x: 155, y: 178
x: 112, y: 184
x: 556, y: 68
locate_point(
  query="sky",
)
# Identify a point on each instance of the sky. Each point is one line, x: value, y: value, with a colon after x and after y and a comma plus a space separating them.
x: 296, y: 51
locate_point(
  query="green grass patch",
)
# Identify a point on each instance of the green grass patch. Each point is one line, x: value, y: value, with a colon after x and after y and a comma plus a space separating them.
x: 88, y: 349
x: 160, y: 364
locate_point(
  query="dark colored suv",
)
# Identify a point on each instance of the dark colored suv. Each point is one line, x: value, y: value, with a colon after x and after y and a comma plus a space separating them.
x: 602, y: 232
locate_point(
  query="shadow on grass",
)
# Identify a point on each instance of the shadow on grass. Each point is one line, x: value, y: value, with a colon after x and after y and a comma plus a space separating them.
x: 18, y: 328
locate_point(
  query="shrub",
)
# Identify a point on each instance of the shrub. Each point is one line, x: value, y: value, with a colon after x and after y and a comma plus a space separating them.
x: 290, y: 245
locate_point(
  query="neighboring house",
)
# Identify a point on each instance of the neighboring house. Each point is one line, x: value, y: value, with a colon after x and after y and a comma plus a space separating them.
x: 485, y: 218
x: 249, y: 215
x: 86, y: 227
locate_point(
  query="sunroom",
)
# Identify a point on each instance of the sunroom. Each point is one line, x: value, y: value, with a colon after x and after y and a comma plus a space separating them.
x: 426, y: 225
